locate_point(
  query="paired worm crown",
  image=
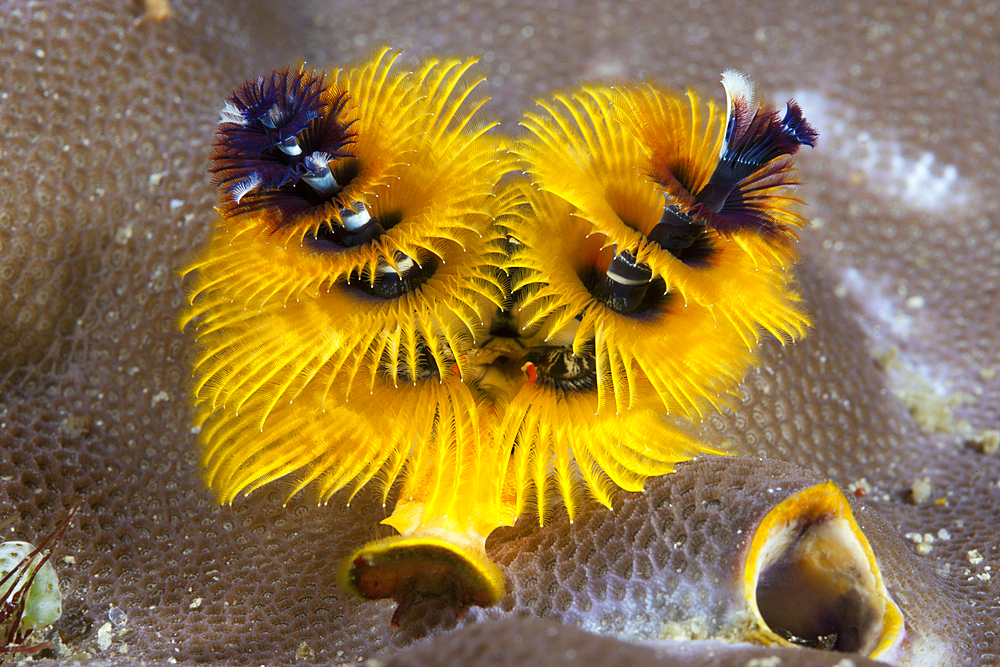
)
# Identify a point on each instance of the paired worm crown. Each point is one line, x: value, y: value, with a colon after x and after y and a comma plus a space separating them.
x: 378, y: 304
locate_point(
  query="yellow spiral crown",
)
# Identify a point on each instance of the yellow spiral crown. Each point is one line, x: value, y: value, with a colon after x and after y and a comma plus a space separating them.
x: 378, y: 304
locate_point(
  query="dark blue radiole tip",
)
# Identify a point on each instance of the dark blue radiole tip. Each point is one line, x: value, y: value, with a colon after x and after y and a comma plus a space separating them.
x: 276, y: 129
x: 752, y: 143
x: 271, y: 109
x: 796, y: 123
x: 755, y: 139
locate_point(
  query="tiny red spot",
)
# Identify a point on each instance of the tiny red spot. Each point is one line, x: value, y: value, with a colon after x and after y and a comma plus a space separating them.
x: 529, y: 368
x: 858, y: 493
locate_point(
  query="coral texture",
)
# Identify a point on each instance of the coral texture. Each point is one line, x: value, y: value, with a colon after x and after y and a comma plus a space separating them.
x: 108, y: 116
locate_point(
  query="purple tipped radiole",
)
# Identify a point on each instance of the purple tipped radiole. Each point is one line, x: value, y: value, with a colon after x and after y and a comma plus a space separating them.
x: 749, y: 170
x: 754, y: 139
x: 279, y: 129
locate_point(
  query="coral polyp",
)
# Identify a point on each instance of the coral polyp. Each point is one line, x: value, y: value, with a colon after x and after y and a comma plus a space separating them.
x: 378, y: 304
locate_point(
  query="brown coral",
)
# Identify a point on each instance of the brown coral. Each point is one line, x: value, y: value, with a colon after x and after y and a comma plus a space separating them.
x: 103, y: 189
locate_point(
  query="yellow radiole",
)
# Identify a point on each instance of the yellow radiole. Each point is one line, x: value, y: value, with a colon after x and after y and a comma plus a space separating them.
x: 378, y: 304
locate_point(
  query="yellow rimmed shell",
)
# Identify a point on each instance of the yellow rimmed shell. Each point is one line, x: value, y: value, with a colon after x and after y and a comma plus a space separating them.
x: 810, y: 577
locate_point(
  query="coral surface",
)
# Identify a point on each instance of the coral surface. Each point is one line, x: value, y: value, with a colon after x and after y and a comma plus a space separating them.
x: 108, y: 115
